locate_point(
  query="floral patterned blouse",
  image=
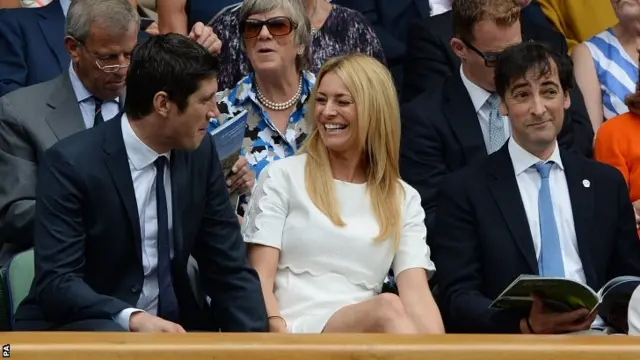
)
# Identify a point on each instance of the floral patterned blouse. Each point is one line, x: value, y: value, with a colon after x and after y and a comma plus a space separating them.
x: 263, y: 142
x: 344, y: 32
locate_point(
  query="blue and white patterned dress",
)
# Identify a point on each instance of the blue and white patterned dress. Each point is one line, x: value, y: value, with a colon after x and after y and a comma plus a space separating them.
x: 617, y: 72
x: 263, y: 142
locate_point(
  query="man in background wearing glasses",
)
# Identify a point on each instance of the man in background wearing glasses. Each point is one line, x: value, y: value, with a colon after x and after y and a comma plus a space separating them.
x: 100, y: 36
x: 456, y: 122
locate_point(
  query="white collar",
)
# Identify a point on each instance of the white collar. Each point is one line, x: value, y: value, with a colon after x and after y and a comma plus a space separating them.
x: 523, y: 160
x: 138, y: 152
x: 478, y: 95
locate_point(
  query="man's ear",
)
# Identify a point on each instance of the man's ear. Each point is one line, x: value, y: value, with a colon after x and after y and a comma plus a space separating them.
x: 73, y: 48
x: 161, y: 103
x: 458, y: 47
x: 567, y: 100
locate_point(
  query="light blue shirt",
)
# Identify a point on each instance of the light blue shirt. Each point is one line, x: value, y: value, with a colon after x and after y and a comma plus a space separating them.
x: 65, y: 6
x: 87, y: 103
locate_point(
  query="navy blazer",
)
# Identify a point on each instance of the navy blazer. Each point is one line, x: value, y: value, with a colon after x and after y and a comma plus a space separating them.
x: 32, y: 46
x: 390, y: 21
x: 481, y: 240
x: 88, y: 260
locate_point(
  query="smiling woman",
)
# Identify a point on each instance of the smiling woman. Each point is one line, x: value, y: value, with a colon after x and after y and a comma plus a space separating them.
x: 325, y: 226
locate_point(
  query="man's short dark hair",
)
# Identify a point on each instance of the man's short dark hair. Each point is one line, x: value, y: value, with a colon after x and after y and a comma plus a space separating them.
x: 516, y: 61
x: 171, y: 63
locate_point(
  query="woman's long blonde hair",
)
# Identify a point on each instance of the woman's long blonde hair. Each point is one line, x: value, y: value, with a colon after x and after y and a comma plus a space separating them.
x: 375, y: 97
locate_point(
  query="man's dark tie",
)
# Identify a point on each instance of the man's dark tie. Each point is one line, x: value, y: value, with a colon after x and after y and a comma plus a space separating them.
x: 167, y: 302
x: 97, y: 115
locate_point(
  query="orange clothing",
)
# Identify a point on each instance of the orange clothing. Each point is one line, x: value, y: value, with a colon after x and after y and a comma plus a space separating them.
x: 618, y: 144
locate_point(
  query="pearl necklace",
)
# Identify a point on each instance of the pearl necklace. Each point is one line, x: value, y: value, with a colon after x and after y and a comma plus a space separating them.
x: 279, y: 106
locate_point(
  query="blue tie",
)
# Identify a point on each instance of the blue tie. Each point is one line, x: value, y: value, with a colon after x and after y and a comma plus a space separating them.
x: 167, y: 302
x: 550, y: 263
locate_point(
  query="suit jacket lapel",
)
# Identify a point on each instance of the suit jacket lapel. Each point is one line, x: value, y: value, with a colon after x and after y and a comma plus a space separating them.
x: 504, y: 188
x: 582, y: 203
x: 65, y: 117
x: 463, y: 118
x: 118, y: 164
x: 52, y: 27
x: 179, y: 182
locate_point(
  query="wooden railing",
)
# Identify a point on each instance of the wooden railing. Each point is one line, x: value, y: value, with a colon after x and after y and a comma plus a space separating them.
x: 216, y: 346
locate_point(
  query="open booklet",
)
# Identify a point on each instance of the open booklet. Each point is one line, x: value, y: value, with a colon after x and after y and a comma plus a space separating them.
x: 562, y: 295
x: 229, y: 138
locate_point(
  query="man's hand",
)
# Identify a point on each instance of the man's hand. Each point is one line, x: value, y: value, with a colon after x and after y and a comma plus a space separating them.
x: 545, y: 322
x: 204, y: 36
x: 241, y: 177
x: 143, y: 322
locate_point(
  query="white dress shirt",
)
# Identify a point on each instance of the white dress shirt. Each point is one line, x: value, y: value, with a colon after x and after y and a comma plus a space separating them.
x: 143, y: 174
x: 634, y: 313
x: 439, y: 6
x: 87, y: 103
x: 529, y: 182
x: 479, y: 97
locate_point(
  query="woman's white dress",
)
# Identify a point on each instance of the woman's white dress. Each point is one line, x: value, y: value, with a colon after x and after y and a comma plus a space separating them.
x: 322, y: 267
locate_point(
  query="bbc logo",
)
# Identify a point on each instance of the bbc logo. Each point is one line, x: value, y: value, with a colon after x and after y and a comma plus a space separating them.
x: 6, y: 351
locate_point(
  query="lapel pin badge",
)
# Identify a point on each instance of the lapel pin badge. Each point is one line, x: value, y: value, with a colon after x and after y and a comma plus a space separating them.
x: 586, y: 183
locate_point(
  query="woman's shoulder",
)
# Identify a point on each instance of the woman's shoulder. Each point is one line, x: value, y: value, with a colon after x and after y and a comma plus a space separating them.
x: 291, y: 166
x: 411, y: 195
x: 344, y: 13
x: 621, y: 125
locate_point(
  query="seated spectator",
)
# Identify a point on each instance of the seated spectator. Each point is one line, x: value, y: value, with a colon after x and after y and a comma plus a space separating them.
x: 634, y: 313
x: 99, y: 39
x: 531, y: 208
x: 324, y: 227
x: 178, y: 16
x: 430, y: 57
x: 579, y: 20
x: 276, y: 92
x: 617, y: 145
x: 110, y: 198
x: 390, y: 21
x: 335, y: 31
x: 606, y: 65
x: 32, y: 48
x: 456, y: 124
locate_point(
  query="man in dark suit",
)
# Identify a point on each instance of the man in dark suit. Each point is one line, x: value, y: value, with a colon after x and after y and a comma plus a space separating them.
x: 32, y: 46
x: 430, y: 60
x: 449, y: 126
x: 390, y: 21
x: 123, y: 205
x: 99, y: 40
x: 530, y: 208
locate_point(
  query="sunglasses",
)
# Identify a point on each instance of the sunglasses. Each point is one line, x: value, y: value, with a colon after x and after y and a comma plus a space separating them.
x: 490, y: 58
x: 277, y: 26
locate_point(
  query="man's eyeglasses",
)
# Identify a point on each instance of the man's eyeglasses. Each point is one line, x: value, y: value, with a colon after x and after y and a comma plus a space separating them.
x: 490, y: 58
x: 277, y: 26
x: 99, y: 62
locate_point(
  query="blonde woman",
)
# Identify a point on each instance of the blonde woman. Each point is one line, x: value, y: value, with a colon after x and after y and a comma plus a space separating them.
x: 325, y: 226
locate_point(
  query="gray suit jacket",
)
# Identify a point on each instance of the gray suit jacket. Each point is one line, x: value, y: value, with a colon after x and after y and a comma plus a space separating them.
x: 31, y: 120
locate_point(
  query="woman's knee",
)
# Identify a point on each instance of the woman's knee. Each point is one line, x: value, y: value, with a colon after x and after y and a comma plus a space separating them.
x: 390, y: 308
